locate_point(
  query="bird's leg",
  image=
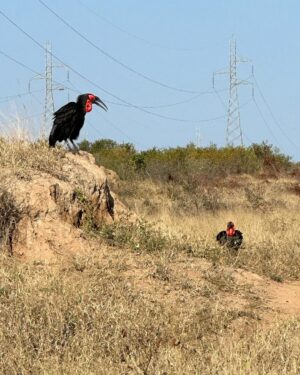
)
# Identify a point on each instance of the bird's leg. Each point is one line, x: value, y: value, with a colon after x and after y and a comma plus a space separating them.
x: 75, y: 145
x: 69, y: 147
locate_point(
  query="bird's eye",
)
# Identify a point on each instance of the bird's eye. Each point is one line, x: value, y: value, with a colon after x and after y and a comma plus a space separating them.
x: 91, y: 97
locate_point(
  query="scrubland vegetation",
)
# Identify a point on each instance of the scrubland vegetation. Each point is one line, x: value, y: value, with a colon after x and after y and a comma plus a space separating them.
x: 158, y: 296
x: 190, y: 164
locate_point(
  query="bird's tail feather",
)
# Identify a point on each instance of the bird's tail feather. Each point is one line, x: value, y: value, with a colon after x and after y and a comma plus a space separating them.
x: 51, y: 141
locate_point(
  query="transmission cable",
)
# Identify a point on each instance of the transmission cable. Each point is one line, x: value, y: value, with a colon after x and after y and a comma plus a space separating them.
x: 31, y: 70
x: 16, y: 96
x: 273, y: 116
x: 109, y: 122
x: 264, y: 120
x: 175, y: 104
x: 101, y: 88
x: 141, y: 39
x: 117, y: 61
x: 194, y: 97
x: 18, y: 62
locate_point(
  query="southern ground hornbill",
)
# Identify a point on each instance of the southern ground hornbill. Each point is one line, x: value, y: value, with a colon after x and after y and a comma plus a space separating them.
x: 232, y: 237
x: 69, y: 119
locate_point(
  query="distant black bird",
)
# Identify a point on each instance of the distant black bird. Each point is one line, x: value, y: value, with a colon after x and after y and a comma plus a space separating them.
x: 69, y: 119
x: 232, y: 237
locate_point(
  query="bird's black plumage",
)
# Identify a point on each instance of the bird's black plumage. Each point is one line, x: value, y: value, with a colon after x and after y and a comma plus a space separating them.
x: 233, y: 242
x: 69, y: 119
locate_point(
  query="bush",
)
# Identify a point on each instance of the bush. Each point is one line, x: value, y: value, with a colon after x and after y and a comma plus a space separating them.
x: 188, y: 165
x: 118, y: 157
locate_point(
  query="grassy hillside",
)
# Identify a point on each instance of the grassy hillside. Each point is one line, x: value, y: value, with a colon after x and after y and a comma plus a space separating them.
x: 191, y: 193
x: 159, y: 296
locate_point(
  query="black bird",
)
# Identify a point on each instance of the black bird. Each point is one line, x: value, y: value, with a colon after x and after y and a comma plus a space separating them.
x: 69, y: 119
x: 232, y: 237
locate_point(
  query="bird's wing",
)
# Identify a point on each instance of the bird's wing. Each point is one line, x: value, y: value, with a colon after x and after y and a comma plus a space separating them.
x: 65, y: 113
x: 62, y: 123
x: 221, y: 235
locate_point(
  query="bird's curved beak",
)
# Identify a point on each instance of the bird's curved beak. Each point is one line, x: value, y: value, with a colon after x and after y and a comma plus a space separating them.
x: 100, y: 103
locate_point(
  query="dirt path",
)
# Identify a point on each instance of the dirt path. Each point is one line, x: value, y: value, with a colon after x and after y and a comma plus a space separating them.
x: 191, y: 282
x: 284, y: 297
x: 281, y: 298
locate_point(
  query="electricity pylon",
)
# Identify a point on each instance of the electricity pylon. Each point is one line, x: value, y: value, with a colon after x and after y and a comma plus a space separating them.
x: 49, y: 101
x: 50, y: 87
x: 234, y: 135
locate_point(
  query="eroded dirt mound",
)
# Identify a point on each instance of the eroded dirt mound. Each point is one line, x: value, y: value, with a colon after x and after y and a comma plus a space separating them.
x: 56, y: 207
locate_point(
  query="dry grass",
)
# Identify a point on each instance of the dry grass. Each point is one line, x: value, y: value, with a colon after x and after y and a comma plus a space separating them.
x: 149, y: 300
x: 22, y: 158
x: 265, y: 211
x: 70, y: 320
x: 271, y: 240
x: 10, y: 215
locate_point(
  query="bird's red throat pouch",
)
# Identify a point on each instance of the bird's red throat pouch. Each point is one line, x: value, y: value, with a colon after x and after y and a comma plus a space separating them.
x: 88, y: 106
x: 230, y: 232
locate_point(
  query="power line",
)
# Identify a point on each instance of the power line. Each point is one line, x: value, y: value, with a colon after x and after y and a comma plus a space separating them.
x: 112, y: 58
x: 248, y: 139
x: 18, y: 62
x: 127, y: 105
x: 194, y: 97
x: 220, y: 98
x: 258, y: 110
x: 29, y: 69
x: 137, y: 37
x: 121, y: 131
x: 101, y: 88
x: 26, y: 117
x: 36, y: 99
x: 224, y: 105
x: 273, y: 116
x: 264, y: 120
x: 16, y: 96
x: 109, y: 122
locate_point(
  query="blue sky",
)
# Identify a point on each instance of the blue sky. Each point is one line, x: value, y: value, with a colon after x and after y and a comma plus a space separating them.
x: 176, y: 43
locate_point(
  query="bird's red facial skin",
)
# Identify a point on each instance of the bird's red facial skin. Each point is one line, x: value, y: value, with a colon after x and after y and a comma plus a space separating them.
x: 89, y: 103
x: 88, y: 106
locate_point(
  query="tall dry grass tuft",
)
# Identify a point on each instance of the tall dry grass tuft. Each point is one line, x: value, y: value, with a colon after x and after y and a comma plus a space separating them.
x: 23, y: 157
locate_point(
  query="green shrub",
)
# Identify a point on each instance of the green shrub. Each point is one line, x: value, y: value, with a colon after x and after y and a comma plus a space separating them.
x: 188, y: 165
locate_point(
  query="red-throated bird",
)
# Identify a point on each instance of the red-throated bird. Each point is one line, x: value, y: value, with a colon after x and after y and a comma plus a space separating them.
x: 232, y: 237
x: 69, y: 119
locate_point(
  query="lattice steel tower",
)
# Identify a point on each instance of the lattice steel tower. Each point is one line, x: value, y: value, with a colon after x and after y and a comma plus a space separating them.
x: 50, y: 87
x: 234, y: 135
x: 49, y: 101
x: 233, y: 131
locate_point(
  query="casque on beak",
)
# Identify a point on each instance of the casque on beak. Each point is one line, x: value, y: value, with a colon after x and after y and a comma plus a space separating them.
x: 100, y: 103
